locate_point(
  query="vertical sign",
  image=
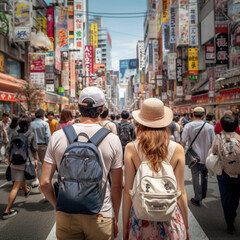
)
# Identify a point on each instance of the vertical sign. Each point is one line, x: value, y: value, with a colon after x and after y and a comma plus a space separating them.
x: 88, y: 60
x: 58, y: 59
x: 165, y: 5
x: 22, y: 20
x: 78, y: 25
x: 72, y: 74
x: 211, y: 80
x: 50, y: 26
x: 98, y: 55
x: 107, y: 74
x: 94, y: 34
x: 2, y: 68
x: 49, y: 71
x: 210, y: 52
x: 61, y: 33
x: 70, y: 13
x: 179, y: 77
x: 193, y: 24
x: 172, y: 65
x: 172, y: 22
x: 193, y: 63
x: 65, y: 71
x: 141, y: 55
x: 155, y: 55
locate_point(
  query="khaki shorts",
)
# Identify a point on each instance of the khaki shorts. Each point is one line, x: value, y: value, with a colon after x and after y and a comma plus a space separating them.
x: 80, y: 226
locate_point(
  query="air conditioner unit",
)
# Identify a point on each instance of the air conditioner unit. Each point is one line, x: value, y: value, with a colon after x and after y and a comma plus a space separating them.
x: 4, y: 7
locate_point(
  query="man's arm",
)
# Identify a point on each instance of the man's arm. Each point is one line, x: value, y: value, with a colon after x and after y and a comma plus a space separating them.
x: 116, y: 194
x: 46, y: 183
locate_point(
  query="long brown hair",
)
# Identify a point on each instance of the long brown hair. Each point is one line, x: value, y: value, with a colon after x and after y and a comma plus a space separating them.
x: 153, y: 142
x: 66, y: 116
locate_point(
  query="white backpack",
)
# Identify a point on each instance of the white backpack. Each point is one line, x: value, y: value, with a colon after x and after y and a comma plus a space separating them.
x: 154, y: 195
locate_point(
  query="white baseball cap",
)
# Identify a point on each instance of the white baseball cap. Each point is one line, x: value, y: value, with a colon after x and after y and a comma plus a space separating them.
x: 94, y: 94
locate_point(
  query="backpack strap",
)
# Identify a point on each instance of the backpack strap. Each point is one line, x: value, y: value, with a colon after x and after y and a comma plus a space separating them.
x: 99, y: 136
x: 70, y: 133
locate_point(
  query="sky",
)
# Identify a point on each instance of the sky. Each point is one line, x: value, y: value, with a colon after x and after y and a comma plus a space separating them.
x: 124, y: 32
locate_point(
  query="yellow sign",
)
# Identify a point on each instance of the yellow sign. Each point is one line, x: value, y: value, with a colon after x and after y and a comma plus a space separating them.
x: 165, y: 6
x: 94, y: 34
x: 193, y: 61
x: 1, y: 62
x: 42, y: 24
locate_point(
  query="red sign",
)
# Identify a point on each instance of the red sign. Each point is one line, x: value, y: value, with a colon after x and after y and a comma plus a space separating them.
x: 37, y: 62
x: 8, y: 97
x: 211, y: 81
x: 210, y: 52
x: 88, y: 59
x: 50, y: 22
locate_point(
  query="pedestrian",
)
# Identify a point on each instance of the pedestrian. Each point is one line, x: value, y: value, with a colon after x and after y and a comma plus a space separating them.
x: 43, y: 135
x: 153, y: 145
x: 179, y: 127
x: 113, y: 119
x: 174, y: 134
x: 104, y: 122
x: 13, y: 126
x: 17, y: 171
x: 184, y: 119
x: 201, y: 147
x: 52, y: 122
x: 118, y: 117
x: 210, y: 118
x: 66, y: 119
x: 125, y: 130
x: 4, y: 140
x: 229, y: 181
x: 218, y: 128
x: 104, y: 225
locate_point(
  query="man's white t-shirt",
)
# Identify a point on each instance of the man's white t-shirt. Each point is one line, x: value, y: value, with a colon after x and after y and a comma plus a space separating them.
x: 110, y: 150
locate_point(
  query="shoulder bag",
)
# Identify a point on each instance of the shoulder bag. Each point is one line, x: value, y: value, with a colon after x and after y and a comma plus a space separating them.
x: 191, y: 156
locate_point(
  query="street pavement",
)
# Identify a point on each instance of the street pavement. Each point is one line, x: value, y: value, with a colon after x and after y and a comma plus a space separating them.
x: 36, y: 217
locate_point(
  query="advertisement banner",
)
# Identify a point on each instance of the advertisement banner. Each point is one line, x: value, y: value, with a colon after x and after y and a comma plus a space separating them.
x: 193, y: 36
x: 182, y: 25
x: 58, y: 59
x: 221, y: 38
x: 94, y: 34
x: 172, y: 65
x: 98, y: 55
x: 22, y: 11
x: 172, y: 22
x: 193, y: 14
x: 179, y: 77
x: 141, y: 55
x: 150, y: 53
x: 155, y: 55
x: 78, y: 25
x: 61, y: 32
x: 65, y: 74
x: 72, y: 74
x: 193, y: 63
x: 37, y: 68
x: 210, y: 52
x: 165, y: 6
x: 127, y: 69
x: 50, y: 22
x: 49, y: 71
x: 221, y: 10
x: 211, y: 80
x: 165, y: 37
x: 88, y: 60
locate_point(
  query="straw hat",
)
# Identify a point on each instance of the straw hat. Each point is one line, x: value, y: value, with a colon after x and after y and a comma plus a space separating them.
x: 153, y: 114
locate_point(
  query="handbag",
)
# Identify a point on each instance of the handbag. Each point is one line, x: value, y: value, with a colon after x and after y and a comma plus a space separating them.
x: 191, y: 156
x: 29, y: 171
x: 8, y: 173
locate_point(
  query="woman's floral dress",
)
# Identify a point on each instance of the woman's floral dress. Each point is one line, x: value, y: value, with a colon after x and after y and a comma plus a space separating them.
x: 148, y: 230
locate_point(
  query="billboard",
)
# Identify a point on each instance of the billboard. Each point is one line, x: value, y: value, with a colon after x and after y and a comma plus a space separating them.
x: 193, y: 63
x: 78, y: 25
x: 94, y: 34
x: 61, y: 32
x: 22, y: 20
x: 88, y: 60
x: 127, y: 69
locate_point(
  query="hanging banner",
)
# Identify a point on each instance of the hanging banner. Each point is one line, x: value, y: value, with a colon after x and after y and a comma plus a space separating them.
x: 155, y: 55
x: 193, y: 63
x: 94, y: 34
x: 211, y: 80
x: 58, y: 60
x: 88, y: 60
x: 172, y: 22
x: 165, y: 6
x: 22, y: 11
x: 50, y: 22
x: 221, y: 38
x: 179, y: 77
x: 98, y: 55
x: 65, y: 72
x: 72, y: 74
x: 78, y: 25
x: 61, y: 32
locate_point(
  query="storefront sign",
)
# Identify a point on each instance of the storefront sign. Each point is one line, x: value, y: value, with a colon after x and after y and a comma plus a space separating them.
x: 88, y: 60
x: 172, y: 22
x: 165, y: 5
x: 179, y: 77
x: 98, y: 55
x: 211, y: 80
x: 78, y: 25
x: 61, y: 32
x: 210, y: 52
x: 141, y: 55
x: 193, y: 36
x: 222, y: 57
x: 72, y: 74
x: 172, y: 65
x: 193, y: 63
x: 94, y: 34
x: 8, y: 97
x: 2, y: 63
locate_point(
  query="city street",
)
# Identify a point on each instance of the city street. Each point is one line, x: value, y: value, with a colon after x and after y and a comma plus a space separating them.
x: 36, y: 217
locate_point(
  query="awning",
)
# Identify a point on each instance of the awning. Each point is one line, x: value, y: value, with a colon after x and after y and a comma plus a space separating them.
x: 10, y: 97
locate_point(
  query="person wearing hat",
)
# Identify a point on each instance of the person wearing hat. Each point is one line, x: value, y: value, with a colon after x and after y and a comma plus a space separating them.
x: 201, y: 146
x: 105, y: 224
x: 153, y: 143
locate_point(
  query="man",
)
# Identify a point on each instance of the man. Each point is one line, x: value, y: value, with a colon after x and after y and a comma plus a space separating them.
x: 52, y: 122
x: 43, y: 134
x: 113, y: 117
x: 4, y: 124
x: 201, y: 146
x: 218, y: 128
x: 126, y: 130
x: 184, y: 119
x: 104, y: 122
x: 105, y: 224
x: 175, y: 135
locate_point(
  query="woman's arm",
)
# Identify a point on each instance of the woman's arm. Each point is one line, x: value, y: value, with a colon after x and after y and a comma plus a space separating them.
x: 179, y: 171
x: 129, y: 178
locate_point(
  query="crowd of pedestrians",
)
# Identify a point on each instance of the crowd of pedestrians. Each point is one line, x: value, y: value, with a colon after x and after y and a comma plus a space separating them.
x: 152, y: 134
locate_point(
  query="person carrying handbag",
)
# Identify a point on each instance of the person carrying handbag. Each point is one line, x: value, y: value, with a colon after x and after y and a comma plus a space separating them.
x: 200, y: 146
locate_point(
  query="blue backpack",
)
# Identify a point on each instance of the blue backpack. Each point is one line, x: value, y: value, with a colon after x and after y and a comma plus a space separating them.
x: 80, y: 174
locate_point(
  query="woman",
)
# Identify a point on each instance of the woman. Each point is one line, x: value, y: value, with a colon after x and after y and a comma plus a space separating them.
x: 13, y: 126
x: 66, y: 119
x: 153, y: 143
x: 17, y: 171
